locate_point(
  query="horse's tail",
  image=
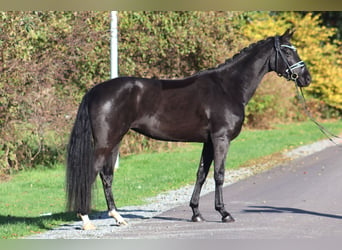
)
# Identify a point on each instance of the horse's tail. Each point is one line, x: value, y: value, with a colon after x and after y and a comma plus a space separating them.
x: 80, y: 172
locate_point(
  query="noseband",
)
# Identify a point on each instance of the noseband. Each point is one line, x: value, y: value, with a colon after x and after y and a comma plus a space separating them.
x: 289, y: 71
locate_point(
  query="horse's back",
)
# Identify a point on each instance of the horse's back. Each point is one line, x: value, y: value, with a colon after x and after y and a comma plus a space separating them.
x: 122, y: 87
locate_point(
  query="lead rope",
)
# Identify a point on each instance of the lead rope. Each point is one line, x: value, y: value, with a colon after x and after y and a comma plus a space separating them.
x: 326, y: 132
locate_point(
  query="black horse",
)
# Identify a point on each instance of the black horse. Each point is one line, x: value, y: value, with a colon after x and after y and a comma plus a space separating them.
x: 207, y: 107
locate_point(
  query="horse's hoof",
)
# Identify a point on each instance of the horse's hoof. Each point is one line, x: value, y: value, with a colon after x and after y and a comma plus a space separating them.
x: 89, y: 226
x: 228, y: 219
x: 119, y: 220
x: 123, y: 223
x: 197, y: 218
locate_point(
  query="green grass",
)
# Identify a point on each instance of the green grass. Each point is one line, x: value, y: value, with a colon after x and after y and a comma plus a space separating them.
x: 31, y: 194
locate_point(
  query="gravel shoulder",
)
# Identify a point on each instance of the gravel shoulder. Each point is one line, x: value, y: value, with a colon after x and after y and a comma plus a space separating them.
x: 168, y: 200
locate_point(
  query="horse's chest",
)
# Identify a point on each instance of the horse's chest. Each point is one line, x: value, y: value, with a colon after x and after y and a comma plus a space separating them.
x: 228, y: 121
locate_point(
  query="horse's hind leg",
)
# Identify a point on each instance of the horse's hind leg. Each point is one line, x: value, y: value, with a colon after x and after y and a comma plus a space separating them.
x: 107, y: 175
x: 104, y: 161
x: 203, y: 169
x: 87, y: 224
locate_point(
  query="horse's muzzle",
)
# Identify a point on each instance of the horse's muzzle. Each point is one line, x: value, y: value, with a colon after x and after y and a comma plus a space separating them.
x: 303, y: 80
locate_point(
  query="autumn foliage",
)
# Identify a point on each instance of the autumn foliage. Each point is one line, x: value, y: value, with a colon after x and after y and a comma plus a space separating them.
x: 313, y: 41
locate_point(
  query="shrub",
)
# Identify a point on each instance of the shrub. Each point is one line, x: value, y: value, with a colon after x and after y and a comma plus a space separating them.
x: 174, y: 44
x: 47, y: 61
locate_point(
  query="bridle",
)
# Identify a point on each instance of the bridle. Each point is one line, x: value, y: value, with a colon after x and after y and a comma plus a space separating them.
x: 289, y: 71
x: 293, y: 76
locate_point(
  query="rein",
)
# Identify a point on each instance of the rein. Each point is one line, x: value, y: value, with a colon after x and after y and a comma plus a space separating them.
x: 331, y: 136
x: 293, y: 76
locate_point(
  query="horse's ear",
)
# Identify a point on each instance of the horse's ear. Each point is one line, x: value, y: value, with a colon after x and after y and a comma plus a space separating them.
x: 288, y: 34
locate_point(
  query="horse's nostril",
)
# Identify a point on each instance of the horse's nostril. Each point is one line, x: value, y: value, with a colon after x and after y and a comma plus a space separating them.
x: 308, y: 79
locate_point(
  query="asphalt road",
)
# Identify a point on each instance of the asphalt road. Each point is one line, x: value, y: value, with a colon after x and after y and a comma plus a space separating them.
x: 302, y: 199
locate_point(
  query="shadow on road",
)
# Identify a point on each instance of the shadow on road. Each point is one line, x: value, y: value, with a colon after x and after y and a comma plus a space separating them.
x: 270, y: 209
x: 170, y: 218
x: 42, y: 222
x: 184, y: 220
x: 134, y: 213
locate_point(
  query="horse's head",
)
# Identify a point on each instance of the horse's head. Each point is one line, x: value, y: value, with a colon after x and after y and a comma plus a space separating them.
x: 288, y: 63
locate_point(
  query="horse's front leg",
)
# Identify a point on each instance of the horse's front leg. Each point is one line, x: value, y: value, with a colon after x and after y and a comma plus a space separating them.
x: 221, y: 146
x: 203, y: 169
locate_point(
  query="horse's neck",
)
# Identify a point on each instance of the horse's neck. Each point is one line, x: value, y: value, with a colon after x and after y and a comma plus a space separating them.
x: 245, y: 74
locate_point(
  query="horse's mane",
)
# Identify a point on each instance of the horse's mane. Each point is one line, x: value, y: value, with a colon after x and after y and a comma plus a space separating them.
x: 244, y: 51
x: 234, y: 58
